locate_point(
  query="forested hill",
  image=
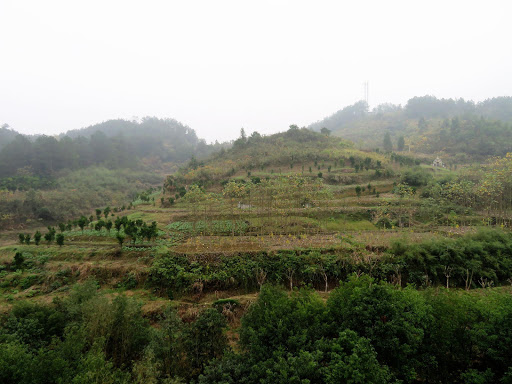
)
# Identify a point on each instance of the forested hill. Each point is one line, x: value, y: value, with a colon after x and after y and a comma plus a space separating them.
x: 113, y: 144
x: 450, y: 127
x: 165, y: 129
x: 166, y: 139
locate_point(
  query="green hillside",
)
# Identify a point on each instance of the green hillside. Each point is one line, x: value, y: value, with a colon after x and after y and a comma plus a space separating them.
x: 294, y: 151
x: 458, y: 130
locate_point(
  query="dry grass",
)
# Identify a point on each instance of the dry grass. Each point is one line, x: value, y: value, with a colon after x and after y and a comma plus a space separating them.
x: 225, y: 244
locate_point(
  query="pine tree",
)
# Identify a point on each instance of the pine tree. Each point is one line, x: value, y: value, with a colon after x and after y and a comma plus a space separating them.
x: 388, y: 145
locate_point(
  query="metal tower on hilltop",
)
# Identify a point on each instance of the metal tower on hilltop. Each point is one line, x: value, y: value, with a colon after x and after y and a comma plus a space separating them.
x: 366, y: 92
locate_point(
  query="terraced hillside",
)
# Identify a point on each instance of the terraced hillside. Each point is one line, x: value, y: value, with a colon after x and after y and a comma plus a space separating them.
x: 292, y: 194
x: 296, y: 210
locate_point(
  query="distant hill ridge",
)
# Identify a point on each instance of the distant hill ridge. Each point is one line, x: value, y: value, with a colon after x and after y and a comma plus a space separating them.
x: 429, y: 125
x: 497, y: 108
x: 128, y: 128
x: 112, y: 144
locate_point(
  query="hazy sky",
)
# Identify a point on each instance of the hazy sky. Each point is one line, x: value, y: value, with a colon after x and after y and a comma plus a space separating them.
x: 220, y: 65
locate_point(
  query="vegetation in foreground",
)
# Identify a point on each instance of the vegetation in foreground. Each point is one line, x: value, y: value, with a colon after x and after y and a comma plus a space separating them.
x: 366, y: 332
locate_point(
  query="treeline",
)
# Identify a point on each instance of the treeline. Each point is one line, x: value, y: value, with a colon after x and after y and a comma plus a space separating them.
x: 462, y: 130
x: 366, y: 332
x: 135, y: 230
x: 46, y: 156
x: 479, y: 260
x: 496, y: 108
x: 50, y: 236
x: 165, y: 139
x: 114, y: 144
x: 342, y: 117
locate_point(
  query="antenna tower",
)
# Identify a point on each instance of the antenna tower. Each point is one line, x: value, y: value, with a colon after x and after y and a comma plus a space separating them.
x: 366, y: 92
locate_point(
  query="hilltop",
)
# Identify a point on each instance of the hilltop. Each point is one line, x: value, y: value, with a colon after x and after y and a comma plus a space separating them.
x: 295, y: 151
x: 151, y: 137
x: 462, y: 131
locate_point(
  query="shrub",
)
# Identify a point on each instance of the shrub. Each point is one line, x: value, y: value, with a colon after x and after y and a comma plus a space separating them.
x: 416, y: 177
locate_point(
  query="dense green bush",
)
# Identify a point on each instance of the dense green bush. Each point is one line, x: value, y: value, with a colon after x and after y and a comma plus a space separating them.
x: 480, y: 259
x: 394, y: 320
x: 475, y: 260
x: 371, y: 333
x: 416, y: 177
x: 285, y: 339
x: 180, y: 274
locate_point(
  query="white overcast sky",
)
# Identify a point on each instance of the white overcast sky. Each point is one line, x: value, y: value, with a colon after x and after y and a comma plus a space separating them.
x: 220, y: 65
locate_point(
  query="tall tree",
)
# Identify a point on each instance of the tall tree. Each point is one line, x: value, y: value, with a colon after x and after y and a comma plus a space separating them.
x: 37, y: 237
x: 60, y: 239
x: 400, y: 143
x: 82, y: 222
x: 388, y: 145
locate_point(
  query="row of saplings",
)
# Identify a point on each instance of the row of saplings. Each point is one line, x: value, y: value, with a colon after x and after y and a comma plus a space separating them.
x: 82, y: 222
x: 133, y: 229
x: 49, y: 237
